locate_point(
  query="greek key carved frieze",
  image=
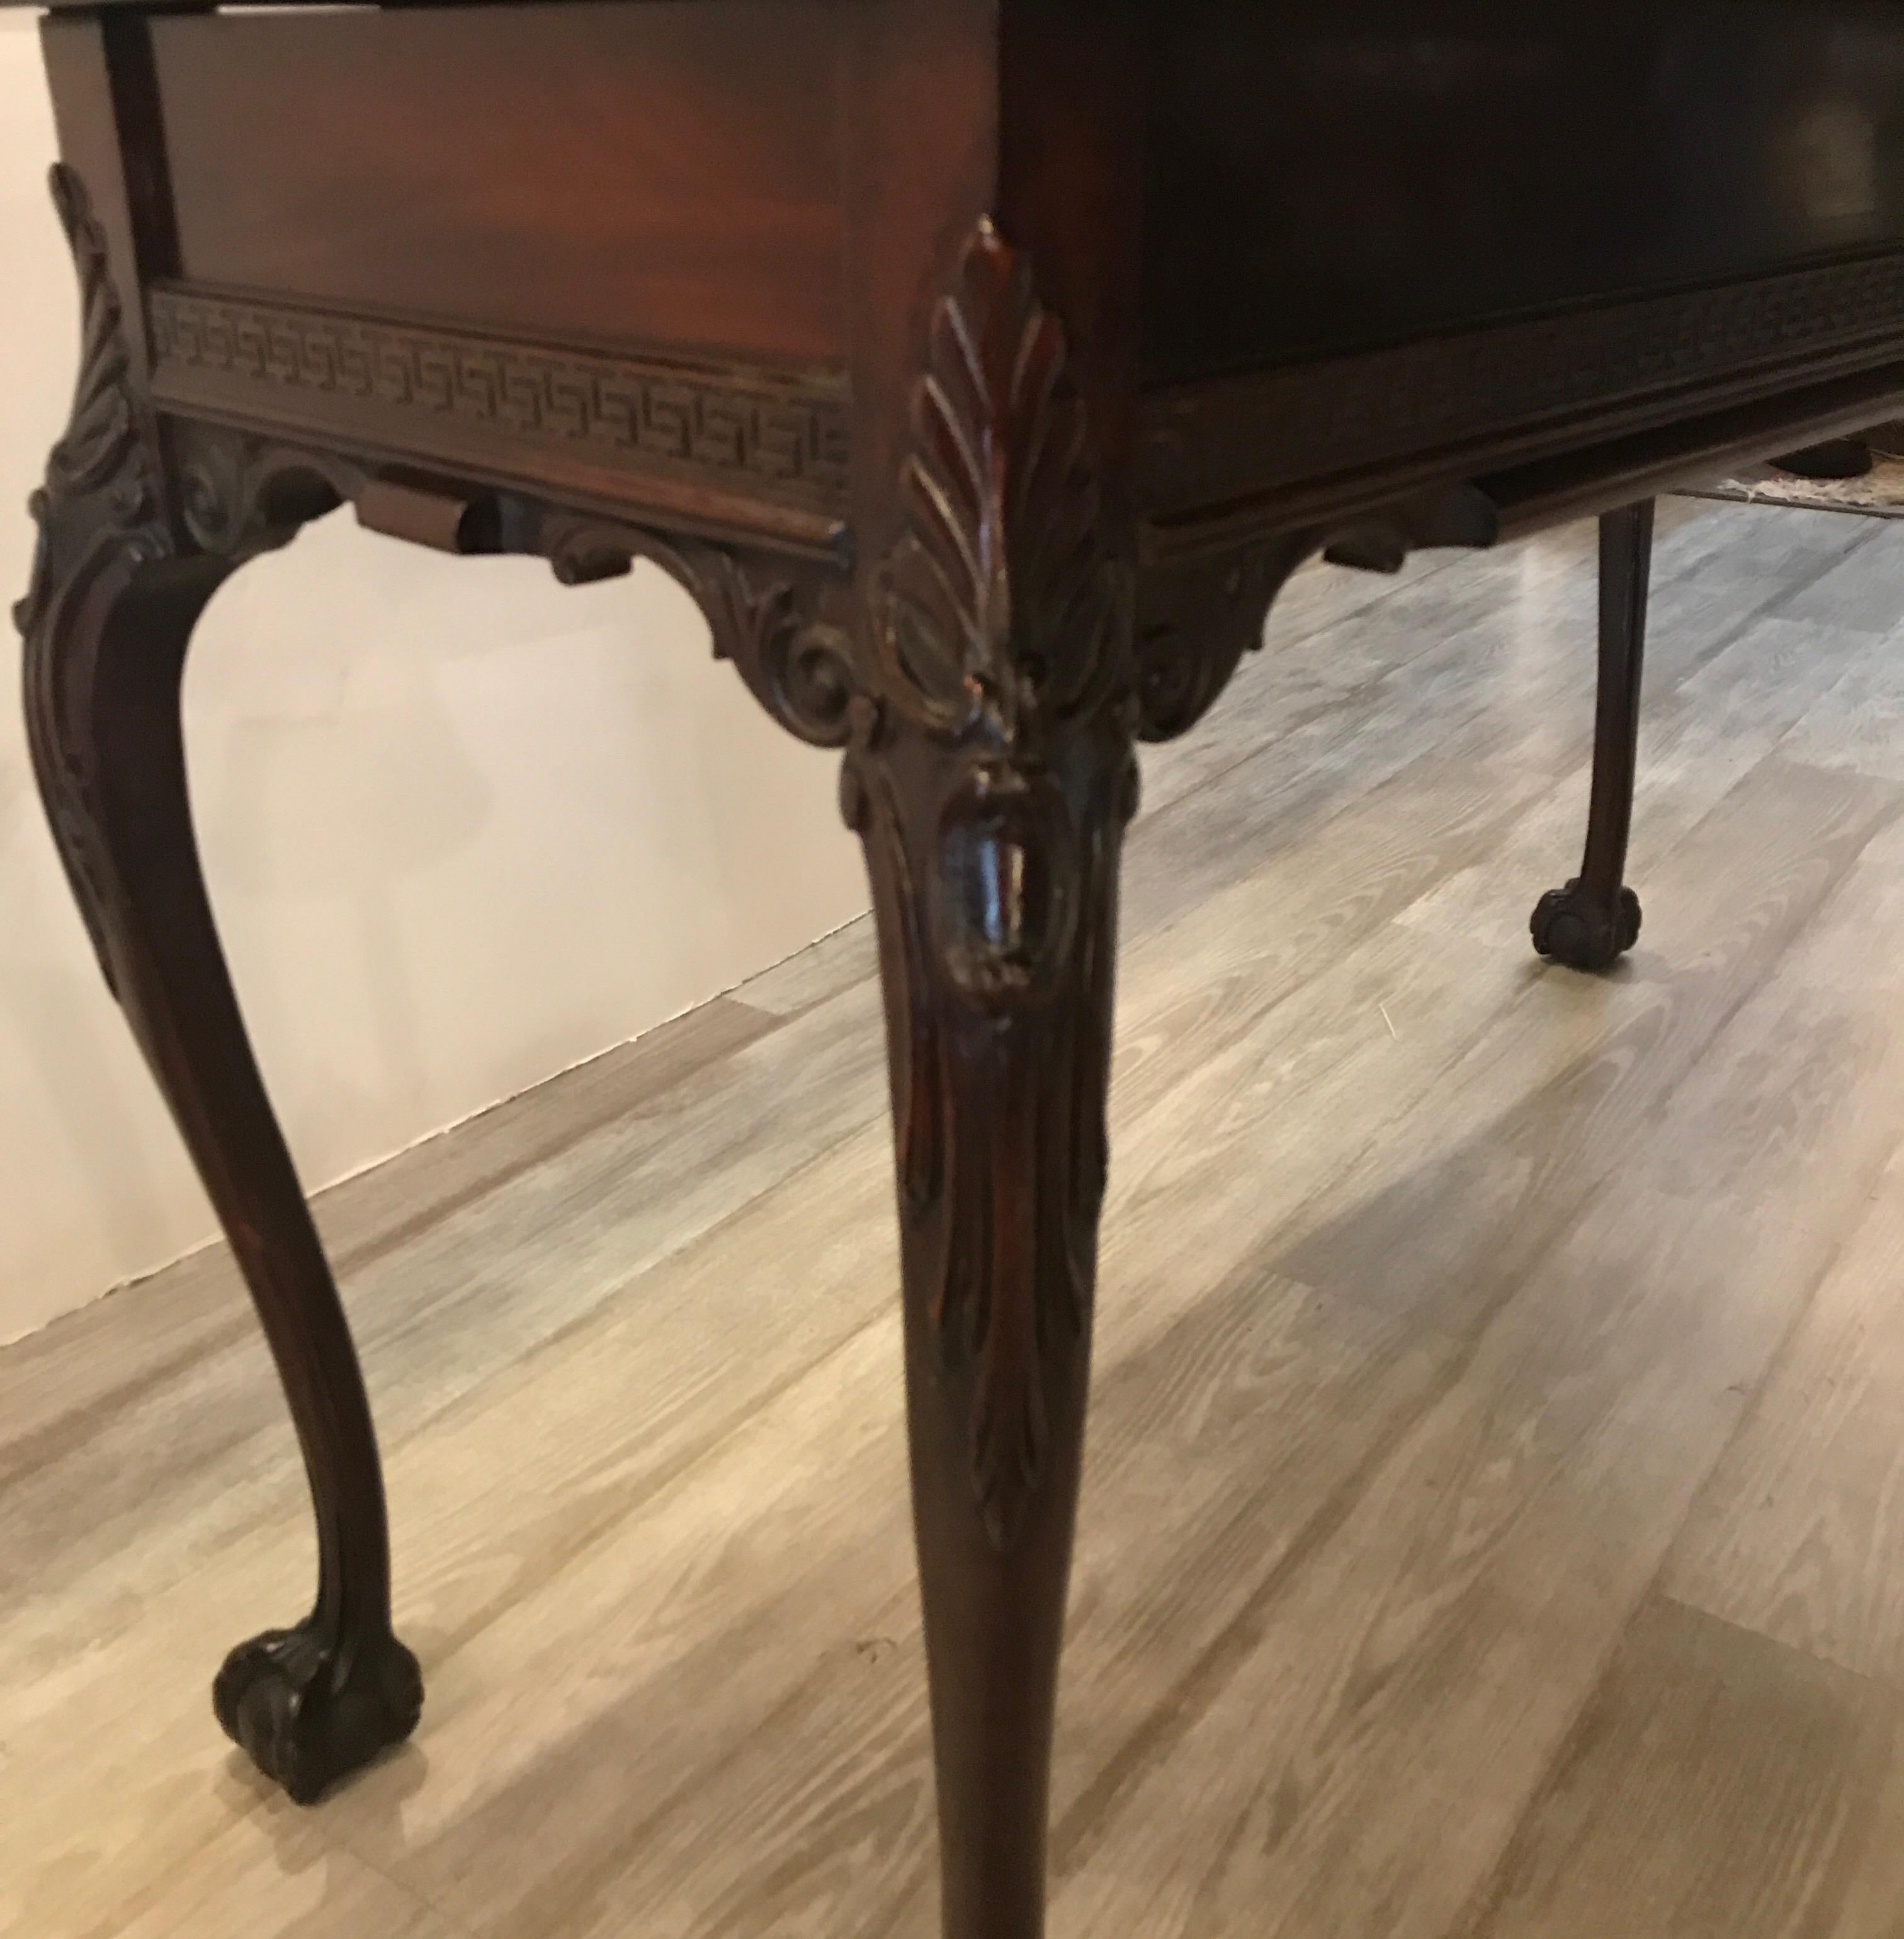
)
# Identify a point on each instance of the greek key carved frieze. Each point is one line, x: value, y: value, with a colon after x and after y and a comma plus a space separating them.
x: 279, y: 363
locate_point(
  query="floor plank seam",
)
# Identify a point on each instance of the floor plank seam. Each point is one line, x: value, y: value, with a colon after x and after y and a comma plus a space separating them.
x: 385, y: 1245
x: 1193, y: 1695
x: 1490, y: 1893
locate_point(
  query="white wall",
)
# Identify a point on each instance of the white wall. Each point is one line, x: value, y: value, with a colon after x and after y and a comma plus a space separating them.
x: 462, y: 828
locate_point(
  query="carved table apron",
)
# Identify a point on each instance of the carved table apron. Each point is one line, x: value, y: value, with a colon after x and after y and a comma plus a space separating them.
x: 982, y: 367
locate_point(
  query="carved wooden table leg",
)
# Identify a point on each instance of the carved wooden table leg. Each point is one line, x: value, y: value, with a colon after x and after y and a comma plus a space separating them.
x: 106, y: 623
x: 990, y: 777
x: 995, y: 884
x: 1595, y: 918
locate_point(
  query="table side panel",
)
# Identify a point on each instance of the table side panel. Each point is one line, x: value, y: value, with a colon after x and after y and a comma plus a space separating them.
x: 1323, y: 179
x: 1469, y: 402
x: 663, y: 175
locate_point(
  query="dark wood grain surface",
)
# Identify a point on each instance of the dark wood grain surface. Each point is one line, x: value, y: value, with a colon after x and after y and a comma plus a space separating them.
x: 633, y: 173
x: 1430, y: 166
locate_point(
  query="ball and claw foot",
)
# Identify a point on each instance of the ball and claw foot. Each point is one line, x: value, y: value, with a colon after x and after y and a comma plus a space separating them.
x: 1581, y: 931
x: 308, y: 1711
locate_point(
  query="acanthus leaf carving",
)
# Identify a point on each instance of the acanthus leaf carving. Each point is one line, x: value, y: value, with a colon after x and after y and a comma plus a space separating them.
x: 998, y: 611
x: 991, y: 789
x: 101, y: 487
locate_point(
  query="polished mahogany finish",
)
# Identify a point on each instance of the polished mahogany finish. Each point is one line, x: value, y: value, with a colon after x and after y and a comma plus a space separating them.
x: 1431, y: 166
x: 982, y: 367
x: 694, y: 204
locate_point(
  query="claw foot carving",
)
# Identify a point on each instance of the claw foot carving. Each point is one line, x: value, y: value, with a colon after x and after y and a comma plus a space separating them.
x: 308, y: 1711
x: 1578, y: 928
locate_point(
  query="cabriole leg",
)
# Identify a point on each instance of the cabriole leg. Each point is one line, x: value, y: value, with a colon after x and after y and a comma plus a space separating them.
x: 1595, y: 918
x: 106, y: 624
x: 990, y: 776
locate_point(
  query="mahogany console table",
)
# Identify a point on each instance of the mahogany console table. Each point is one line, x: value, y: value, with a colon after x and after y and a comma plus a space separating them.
x: 983, y: 367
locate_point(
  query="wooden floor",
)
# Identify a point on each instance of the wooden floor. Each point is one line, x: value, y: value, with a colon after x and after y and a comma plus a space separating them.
x: 1494, y: 1518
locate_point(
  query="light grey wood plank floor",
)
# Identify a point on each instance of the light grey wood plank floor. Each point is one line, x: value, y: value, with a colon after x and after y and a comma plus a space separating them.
x: 1494, y: 1513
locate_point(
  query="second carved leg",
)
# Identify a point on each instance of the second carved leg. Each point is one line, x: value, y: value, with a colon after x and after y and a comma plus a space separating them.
x: 314, y: 1701
x: 106, y: 624
x: 1595, y: 917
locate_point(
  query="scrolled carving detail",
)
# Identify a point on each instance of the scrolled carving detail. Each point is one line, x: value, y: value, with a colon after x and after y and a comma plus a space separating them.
x: 1196, y: 621
x: 239, y: 495
x: 1195, y: 625
x: 779, y: 621
x: 777, y: 628
x: 98, y: 520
